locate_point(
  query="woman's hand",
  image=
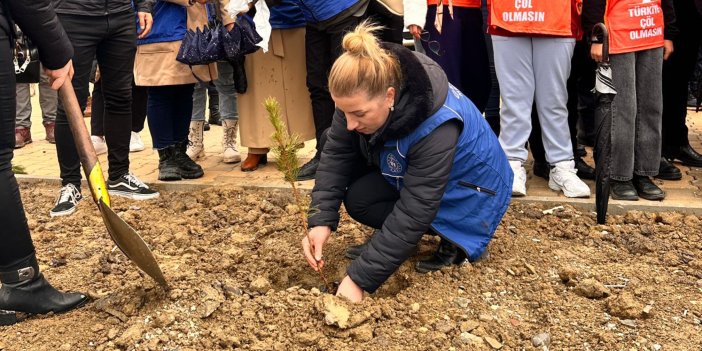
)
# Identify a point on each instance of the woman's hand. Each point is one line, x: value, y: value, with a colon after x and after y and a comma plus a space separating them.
x: 58, y: 77
x: 145, y: 23
x: 596, y: 52
x: 350, y: 290
x: 312, y: 246
x: 415, y: 30
x: 667, y: 48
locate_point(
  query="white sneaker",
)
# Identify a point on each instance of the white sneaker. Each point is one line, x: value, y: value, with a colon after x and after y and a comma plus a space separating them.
x: 99, y: 144
x: 135, y: 143
x: 520, y: 177
x: 563, y: 178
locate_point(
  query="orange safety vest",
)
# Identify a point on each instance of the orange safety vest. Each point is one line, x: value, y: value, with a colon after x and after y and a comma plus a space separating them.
x: 546, y: 17
x: 634, y: 25
x: 458, y: 3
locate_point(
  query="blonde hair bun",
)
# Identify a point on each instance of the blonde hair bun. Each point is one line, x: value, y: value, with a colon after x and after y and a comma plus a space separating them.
x: 362, y: 41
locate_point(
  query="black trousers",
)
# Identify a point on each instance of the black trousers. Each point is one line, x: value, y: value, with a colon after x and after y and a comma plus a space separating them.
x: 580, y: 102
x: 97, y: 122
x: 370, y: 199
x: 322, y: 48
x: 170, y: 109
x: 677, y: 71
x: 15, y: 242
x: 112, y: 40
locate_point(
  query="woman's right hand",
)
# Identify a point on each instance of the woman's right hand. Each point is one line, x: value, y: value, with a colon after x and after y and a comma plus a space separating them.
x: 596, y: 52
x: 415, y: 30
x: 312, y: 245
x: 58, y: 76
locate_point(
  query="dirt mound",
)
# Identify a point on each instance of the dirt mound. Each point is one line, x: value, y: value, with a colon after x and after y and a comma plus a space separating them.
x: 238, y: 281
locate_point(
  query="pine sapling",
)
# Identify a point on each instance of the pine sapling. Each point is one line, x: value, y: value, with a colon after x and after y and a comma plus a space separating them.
x: 285, y: 147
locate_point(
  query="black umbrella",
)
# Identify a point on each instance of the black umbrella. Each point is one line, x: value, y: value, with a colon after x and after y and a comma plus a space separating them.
x: 604, y: 91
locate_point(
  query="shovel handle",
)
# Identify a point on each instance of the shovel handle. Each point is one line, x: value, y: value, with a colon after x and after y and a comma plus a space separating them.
x: 86, y: 151
x: 601, y: 29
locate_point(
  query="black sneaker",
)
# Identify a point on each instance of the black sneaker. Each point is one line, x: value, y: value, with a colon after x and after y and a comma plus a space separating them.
x: 67, y: 202
x: 308, y: 170
x: 129, y: 186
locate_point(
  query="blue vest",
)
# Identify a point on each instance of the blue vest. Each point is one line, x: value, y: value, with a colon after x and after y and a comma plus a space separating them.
x: 170, y: 23
x: 287, y: 15
x: 480, y: 185
x: 321, y: 10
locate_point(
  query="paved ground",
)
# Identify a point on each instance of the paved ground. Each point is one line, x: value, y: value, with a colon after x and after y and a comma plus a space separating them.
x: 39, y: 161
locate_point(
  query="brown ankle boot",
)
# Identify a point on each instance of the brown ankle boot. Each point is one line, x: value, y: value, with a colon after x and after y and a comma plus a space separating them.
x: 252, y: 162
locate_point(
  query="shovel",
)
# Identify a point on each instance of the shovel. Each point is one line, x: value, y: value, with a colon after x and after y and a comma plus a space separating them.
x: 126, y: 238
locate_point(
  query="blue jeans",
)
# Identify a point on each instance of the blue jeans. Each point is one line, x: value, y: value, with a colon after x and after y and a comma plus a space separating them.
x: 227, y: 94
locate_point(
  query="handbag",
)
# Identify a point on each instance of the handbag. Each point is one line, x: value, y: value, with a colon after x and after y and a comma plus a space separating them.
x: 26, y: 59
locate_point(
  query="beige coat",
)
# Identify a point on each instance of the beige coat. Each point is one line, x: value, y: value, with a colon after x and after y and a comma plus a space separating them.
x: 155, y: 64
x: 280, y: 73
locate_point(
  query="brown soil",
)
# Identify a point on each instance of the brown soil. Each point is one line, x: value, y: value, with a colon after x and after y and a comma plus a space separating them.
x: 238, y: 281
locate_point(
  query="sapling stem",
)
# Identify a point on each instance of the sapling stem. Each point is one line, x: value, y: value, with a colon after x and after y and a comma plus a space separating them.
x: 285, y: 147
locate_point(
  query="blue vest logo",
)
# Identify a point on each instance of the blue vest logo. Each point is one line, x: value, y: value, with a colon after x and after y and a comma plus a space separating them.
x: 393, y: 163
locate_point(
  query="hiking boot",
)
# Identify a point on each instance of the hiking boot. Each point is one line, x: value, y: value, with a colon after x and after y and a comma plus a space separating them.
x: 50, y: 128
x: 646, y: 189
x: 231, y: 153
x: 447, y: 254
x: 308, y: 170
x: 129, y: 186
x: 196, y: 148
x: 167, y: 165
x: 623, y: 190
x: 23, y: 136
x: 99, y: 144
x: 520, y: 177
x: 563, y: 177
x: 25, y: 291
x: 187, y: 168
x: 668, y: 171
x: 135, y: 143
x: 67, y: 201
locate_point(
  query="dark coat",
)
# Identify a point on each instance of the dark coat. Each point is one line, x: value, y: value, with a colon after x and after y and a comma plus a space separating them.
x: 39, y: 22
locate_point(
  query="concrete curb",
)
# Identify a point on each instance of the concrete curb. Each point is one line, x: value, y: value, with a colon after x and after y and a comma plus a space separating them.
x: 587, y: 205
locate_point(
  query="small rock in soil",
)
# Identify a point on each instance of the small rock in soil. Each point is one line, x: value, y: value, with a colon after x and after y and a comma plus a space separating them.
x: 307, y: 338
x: 131, y: 335
x: 625, y: 306
x: 493, y: 342
x: 260, y: 285
x: 415, y: 307
x: 461, y: 302
x: 335, y: 313
x: 468, y: 326
x: 363, y: 333
x: 470, y: 339
x: 629, y: 322
x: 541, y: 339
x: 591, y: 289
x: 111, y: 334
x: 485, y: 318
x: 568, y: 275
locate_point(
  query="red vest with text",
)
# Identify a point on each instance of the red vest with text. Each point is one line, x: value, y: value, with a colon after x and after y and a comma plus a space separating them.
x: 634, y: 25
x: 540, y: 17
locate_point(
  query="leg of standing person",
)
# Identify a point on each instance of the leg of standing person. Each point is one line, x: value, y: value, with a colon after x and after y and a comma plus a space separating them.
x: 492, y: 108
x: 48, y: 102
x: 196, y: 146
x: 213, y: 104
x: 322, y: 47
x: 228, y: 111
x: 515, y: 72
x: 97, y: 119
x: 552, y: 62
x: 23, y: 118
x: 139, y: 97
x: 579, y: 64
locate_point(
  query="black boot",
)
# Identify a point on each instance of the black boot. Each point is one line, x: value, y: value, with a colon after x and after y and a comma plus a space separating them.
x: 215, y: 118
x: 25, y: 290
x: 584, y: 169
x: 541, y: 169
x: 623, y: 190
x: 186, y: 166
x: 167, y: 165
x: 446, y: 255
x: 647, y: 189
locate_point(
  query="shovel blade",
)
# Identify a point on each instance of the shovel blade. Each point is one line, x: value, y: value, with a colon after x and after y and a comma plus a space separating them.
x: 131, y: 244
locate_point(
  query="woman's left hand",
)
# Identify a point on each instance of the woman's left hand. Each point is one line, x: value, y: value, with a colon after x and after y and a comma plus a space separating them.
x: 350, y: 290
x: 145, y: 23
x: 667, y: 48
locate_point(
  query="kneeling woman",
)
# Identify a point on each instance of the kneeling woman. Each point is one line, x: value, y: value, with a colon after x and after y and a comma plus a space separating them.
x: 408, y: 154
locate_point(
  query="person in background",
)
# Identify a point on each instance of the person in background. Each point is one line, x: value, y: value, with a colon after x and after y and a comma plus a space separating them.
x: 106, y: 30
x: 279, y: 73
x: 97, y: 121
x: 48, y: 98
x: 677, y: 71
x: 170, y: 83
x: 24, y: 288
x: 533, y: 61
x: 407, y: 153
x: 327, y: 22
x: 637, y: 68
